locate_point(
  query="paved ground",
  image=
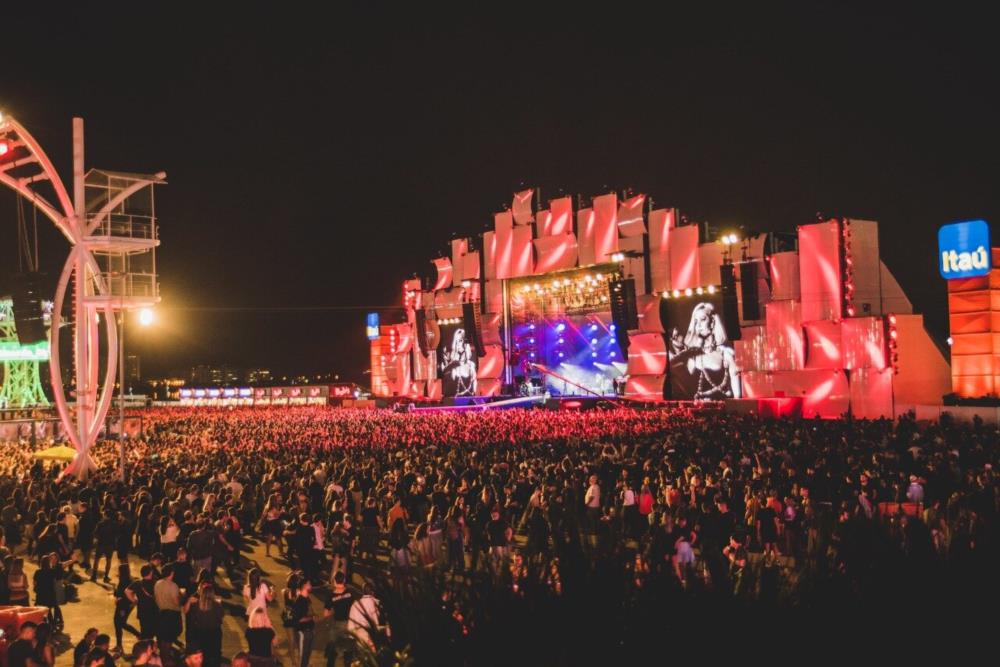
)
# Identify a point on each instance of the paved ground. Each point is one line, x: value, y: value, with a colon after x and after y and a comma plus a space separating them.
x: 96, y: 605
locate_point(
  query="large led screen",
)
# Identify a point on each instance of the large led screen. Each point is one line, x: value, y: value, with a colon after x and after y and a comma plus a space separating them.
x: 457, y: 361
x: 702, y: 361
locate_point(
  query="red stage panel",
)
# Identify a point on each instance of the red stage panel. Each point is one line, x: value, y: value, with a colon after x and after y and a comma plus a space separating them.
x: 973, y: 386
x: 504, y: 243
x: 648, y: 308
x: 630, y: 221
x: 585, y: 226
x: 784, y: 336
x: 972, y: 364
x: 434, y: 390
x: 489, y: 255
x: 522, y: 259
x: 459, y: 247
x: 684, y: 257
x: 976, y: 343
x: 825, y: 393
x: 490, y: 328
x: 784, y: 267
x: 555, y: 252
x: 417, y: 389
x: 634, y: 267
x: 444, y: 271
x: 488, y: 387
x: 561, y: 221
x: 969, y: 302
x: 756, y: 384
x: 863, y: 341
x: 543, y: 222
x: 824, y: 341
x: 645, y: 387
x: 470, y: 265
x: 963, y: 323
x: 819, y: 271
x: 404, y: 338
x: 780, y: 408
x: 423, y: 368
x: 605, y: 227
x: 871, y: 393
x: 448, y: 299
x: 491, y: 364
x: 968, y: 284
x: 751, y: 349
x: 661, y: 221
x: 521, y: 207
x: 709, y: 261
x: 647, y: 354
x: 494, y: 296
x: 402, y: 385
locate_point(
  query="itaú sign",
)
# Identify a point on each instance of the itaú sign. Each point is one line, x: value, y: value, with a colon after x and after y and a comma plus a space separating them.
x: 964, y: 250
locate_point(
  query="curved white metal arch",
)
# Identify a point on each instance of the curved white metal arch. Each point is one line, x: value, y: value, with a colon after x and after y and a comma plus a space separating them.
x: 91, y: 410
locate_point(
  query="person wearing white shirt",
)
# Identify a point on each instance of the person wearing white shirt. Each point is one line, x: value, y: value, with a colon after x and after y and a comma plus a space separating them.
x: 365, y: 616
x: 915, y: 492
x: 592, y: 500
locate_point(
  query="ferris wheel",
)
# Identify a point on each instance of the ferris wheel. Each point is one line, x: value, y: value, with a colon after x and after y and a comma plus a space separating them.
x: 110, y: 223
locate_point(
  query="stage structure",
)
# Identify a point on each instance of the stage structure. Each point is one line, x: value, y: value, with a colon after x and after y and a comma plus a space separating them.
x: 21, y: 384
x: 111, y: 226
x: 617, y: 296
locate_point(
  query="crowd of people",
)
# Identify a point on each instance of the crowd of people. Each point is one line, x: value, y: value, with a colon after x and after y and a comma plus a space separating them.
x: 475, y: 512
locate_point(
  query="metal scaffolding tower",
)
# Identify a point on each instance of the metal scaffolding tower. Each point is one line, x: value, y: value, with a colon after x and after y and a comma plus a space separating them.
x: 20, y: 383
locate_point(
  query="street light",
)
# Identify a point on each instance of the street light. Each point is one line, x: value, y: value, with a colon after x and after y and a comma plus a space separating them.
x: 146, y: 317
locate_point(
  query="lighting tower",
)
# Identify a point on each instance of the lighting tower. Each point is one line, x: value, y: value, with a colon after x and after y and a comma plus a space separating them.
x: 111, y: 267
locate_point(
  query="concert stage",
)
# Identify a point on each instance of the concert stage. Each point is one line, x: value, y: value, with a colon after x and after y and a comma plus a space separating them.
x: 615, y: 298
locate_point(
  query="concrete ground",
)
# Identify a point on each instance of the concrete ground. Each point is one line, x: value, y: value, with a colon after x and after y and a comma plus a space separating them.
x: 95, y: 608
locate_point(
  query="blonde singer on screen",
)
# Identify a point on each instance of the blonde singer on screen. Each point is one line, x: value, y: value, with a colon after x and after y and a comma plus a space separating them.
x: 459, y: 363
x: 703, y: 359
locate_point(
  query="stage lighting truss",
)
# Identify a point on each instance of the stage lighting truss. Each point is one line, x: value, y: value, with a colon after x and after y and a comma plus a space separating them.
x: 576, y: 292
x: 892, y: 342
x: 689, y: 292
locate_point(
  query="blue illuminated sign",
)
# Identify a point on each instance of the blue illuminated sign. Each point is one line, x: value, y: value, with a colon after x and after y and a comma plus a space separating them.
x: 372, y: 327
x: 964, y: 250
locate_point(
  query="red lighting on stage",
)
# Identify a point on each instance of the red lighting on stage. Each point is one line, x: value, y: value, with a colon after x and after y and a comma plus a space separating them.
x: 892, y: 320
x: 893, y: 334
x: 4, y: 148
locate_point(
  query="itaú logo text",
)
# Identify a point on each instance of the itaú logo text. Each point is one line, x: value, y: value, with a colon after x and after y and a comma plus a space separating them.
x: 955, y: 262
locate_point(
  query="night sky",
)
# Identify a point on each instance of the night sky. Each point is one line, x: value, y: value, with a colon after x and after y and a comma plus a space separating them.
x: 316, y: 161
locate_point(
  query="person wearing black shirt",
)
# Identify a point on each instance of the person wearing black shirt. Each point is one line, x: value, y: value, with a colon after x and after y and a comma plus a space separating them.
x: 21, y: 652
x: 87, y: 524
x: 83, y: 646
x: 304, y: 622
x: 338, y: 609
x: 107, y: 538
x: 125, y: 600
x: 149, y: 613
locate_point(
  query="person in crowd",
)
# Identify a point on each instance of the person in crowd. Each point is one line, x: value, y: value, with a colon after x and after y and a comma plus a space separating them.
x: 125, y: 601
x: 83, y: 646
x: 167, y: 596
x: 204, y: 613
x: 257, y: 593
x: 260, y: 636
x: 338, y: 609
x: 304, y: 622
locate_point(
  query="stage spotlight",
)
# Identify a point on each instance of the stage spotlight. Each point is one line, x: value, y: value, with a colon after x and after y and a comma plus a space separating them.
x: 561, y: 355
x: 676, y: 293
x: 666, y: 294
x: 613, y: 354
x: 612, y: 327
x: 688, y: 292
x: 711, y: 289
x: 593, y: 327
x: 531, y: 340
x: 561, y: 341
x: 560, y: 327
x: 531, y: 327
x: 593, y: 341
x: 617, y: 257
x: 594, y: 354
x: 699, y: 291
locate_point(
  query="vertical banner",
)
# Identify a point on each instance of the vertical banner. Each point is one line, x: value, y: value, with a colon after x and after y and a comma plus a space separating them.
x: 630, y: 218
x: 661, y: 221
x: 561, y: 221
x: 504, y: 240
x: 521, y: 207
x: 522, y: 254
x: 444, y: 272
x: 543, y: 222
x: 490, y: 255
x: 605, y: 227
x: 684, y: 257
x: 585, y: 233
x: 819, y: 271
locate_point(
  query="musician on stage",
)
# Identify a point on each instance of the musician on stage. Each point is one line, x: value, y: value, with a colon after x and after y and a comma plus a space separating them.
x: 459, y: 363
